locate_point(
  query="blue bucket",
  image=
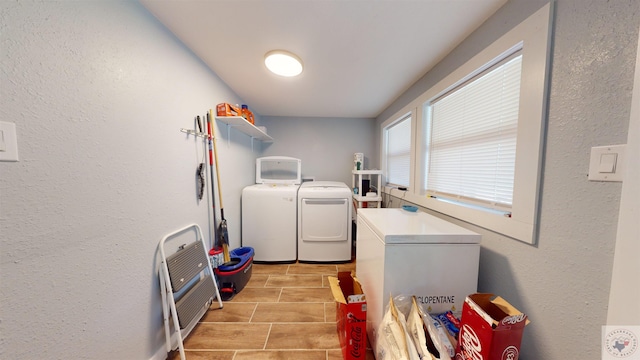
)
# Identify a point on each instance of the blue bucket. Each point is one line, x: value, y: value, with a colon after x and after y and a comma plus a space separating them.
x: 239, y: 257
x: 233, y: 277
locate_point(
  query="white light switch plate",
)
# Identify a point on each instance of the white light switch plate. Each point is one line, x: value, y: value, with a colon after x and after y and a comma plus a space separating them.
x: 607, y: 163
x: 8, y: 142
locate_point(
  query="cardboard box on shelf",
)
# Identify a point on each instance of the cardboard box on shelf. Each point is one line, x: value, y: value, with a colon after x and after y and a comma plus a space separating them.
x: 351, y: 315
x: 225, y: 109
x: 491, y: 329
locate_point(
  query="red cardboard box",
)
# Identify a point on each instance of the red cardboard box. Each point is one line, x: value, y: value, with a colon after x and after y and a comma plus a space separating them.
x: 490, y: 329
x: 351, y: 315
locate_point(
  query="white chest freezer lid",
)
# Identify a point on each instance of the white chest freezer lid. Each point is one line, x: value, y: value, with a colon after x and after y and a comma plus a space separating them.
x: 398, y: 226
x: 278, y: 170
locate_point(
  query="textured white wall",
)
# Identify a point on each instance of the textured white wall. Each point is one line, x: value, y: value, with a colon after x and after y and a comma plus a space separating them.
x: 98, y: 91
x: 563, y: 282
x: 325, y: 145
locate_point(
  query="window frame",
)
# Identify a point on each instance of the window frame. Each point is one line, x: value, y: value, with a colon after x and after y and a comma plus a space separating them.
x: 428, y: 108
x: 534, y: 34
x: 386, y: 126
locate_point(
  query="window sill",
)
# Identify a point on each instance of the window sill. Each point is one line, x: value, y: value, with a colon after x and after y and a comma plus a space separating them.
x: 508, y: 226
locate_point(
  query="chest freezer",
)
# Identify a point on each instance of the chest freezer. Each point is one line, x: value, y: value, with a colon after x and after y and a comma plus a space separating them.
x: 404, y: 253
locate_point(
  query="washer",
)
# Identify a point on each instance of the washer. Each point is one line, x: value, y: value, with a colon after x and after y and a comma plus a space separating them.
x: 269, y: 210
x: 324, y: 222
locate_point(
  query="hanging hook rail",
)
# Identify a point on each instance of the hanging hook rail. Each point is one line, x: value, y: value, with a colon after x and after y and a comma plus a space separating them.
x: 195, y: 133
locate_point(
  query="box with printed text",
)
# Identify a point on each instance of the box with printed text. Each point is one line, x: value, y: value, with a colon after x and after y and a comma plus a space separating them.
x: 224, y: 109
x: 351, y: 315
x: 490, y: 329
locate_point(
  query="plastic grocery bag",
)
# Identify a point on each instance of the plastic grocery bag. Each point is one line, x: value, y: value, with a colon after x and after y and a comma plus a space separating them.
x: 416, y: 328
x: 437, y: 335
x: 394, y: 342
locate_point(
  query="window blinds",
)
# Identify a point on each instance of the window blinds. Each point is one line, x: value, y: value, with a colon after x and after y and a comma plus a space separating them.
x: 399, y: 152
x: 472, y: 144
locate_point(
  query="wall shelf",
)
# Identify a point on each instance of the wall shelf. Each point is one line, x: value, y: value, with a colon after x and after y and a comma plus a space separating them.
x: 246, y: 127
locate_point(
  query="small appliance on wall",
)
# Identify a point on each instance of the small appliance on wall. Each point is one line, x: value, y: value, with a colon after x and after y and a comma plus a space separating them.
x: 269, y: 209
x: 358, y: 161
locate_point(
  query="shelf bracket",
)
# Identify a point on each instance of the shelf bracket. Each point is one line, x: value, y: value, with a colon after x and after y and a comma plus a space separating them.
x: 229, y: 135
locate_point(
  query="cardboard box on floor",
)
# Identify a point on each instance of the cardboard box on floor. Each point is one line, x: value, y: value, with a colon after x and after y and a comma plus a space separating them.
x: 490, y: 329
x: 351, y: 315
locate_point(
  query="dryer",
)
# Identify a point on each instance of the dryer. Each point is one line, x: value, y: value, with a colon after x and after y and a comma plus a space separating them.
x: 269, y: 210
x: 324, y: 222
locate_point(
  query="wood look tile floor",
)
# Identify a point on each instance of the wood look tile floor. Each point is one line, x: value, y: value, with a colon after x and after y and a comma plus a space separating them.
x: 286, y: 311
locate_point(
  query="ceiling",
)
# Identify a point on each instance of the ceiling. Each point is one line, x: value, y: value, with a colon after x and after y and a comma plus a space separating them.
x: 358, y: 55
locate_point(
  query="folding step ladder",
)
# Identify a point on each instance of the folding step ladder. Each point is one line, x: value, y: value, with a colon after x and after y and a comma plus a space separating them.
x: 188, y: 286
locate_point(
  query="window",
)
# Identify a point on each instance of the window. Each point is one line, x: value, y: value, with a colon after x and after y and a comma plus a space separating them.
x: 476, y: 151
x: 471, y: 138
x: 398, y: 151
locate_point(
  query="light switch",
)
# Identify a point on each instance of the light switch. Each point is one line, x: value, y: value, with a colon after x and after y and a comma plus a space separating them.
x: 607, y: 163
x: 8, y: 142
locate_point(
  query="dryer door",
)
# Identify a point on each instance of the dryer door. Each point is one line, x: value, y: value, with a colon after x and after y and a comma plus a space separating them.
x: 324, y: 219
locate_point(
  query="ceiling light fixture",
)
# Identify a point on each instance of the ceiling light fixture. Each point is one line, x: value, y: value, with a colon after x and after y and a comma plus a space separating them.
x: 283, y: 63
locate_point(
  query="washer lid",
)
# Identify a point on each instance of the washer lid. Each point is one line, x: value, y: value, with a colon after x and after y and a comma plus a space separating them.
x: 397, y: 226
x: 278, y: 170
